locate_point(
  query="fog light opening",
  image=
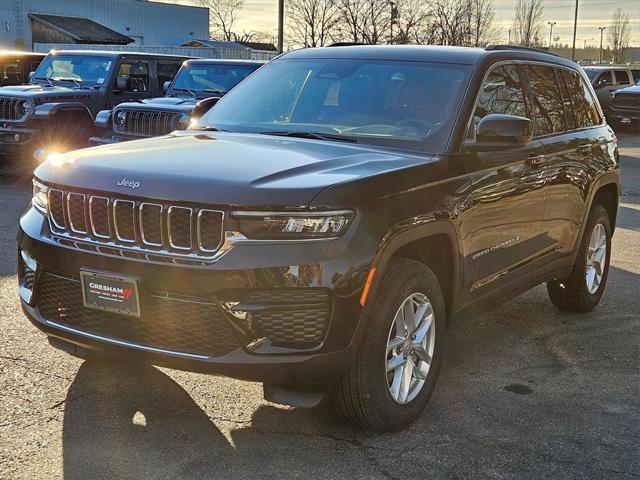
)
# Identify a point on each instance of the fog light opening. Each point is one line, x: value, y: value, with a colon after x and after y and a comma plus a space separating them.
x: 27, y: 275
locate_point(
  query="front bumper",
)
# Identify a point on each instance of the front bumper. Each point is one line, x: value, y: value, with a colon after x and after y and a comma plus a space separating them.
x: 110, y: 139
x: 17, y: 142
x: 254, y: 355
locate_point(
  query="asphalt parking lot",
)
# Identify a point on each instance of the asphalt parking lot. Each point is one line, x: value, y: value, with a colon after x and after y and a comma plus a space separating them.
x: 526, y: 392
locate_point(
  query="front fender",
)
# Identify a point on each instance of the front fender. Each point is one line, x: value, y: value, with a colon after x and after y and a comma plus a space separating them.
x: 47, y: 111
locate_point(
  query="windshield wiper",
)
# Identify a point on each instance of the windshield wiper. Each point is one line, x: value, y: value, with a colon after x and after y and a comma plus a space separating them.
x: 76, y: 83
x: 311, y: 135
x: 48, y: 79
x: 191, y: 92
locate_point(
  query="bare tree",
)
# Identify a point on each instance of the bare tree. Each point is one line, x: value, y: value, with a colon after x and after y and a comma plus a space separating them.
x: 222, y: 16
x: 529, y: 22
x: 619, y: 35
x: 412, y: 22
x: 483, y: 29
x: 312, y: 23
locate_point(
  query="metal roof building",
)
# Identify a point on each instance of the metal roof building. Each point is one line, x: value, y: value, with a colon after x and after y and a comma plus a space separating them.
x: 145, y: 22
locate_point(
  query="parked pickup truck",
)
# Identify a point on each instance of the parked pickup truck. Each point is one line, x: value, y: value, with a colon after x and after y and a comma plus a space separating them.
x: 607, y: 79
x: 56, y: 110
x: 625, y: 106
x: 197, y: 87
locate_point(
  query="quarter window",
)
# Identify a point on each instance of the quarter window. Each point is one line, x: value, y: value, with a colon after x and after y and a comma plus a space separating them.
x: 584, y: 106
x: 501, y: 92
x: 547, y: 100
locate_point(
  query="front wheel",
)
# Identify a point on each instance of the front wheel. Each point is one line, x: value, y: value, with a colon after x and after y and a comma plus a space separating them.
x: 582, y: 290
x: 400, y: 356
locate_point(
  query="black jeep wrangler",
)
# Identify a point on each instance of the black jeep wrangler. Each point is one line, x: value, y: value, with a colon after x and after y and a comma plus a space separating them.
x: 56, y: 111
x: 197, y: 87
x: 328, y: 220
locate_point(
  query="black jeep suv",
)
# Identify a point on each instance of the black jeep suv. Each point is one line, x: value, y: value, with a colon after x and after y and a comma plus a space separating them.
x: 327, y: 220
x: 197, y: 87
x: 55, y: 112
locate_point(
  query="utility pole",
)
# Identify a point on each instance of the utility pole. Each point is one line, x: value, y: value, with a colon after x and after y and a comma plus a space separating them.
x: 602, y: 29
x: 280, y: 26
x: 551, y: 24
x: 575, y: 28
x: 509, y: 42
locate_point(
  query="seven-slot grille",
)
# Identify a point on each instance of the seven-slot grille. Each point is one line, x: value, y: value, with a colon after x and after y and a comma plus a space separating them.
x: 154, y: 227
x: 147, y: 123
x: 8, y: 108
x: 627, y: 100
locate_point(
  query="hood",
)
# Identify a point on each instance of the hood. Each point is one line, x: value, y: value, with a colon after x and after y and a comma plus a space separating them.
x: 222, y: 168
x: 45, y: 93
x: 632, y: 89
x: 171, y: 104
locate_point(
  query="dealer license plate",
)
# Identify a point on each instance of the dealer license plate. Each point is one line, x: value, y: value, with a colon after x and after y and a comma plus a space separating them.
x: 110, y: 293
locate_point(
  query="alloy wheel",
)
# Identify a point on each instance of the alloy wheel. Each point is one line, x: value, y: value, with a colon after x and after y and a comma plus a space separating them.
x: 410, y: 347
x: 596, y: 258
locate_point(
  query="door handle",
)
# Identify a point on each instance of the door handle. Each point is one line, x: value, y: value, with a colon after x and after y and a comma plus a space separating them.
x: 585, y: 148
x: 535, y: 161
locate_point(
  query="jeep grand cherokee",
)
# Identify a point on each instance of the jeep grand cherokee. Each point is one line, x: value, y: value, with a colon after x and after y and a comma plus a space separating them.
x: 320, y: 234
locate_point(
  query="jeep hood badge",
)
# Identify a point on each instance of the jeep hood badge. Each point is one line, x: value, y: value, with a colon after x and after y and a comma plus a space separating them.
x: 132, y: 184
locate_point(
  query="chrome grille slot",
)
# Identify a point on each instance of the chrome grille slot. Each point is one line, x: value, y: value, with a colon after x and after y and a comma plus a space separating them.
x: 76, y: 212
x: 56, y: 208
x: 118, y: 226
x: 124, y: 220
x: 210, y: 229
x: 179, y: 225
x: 99, y: 216
x: 147, y: 123
x: 151, y: 224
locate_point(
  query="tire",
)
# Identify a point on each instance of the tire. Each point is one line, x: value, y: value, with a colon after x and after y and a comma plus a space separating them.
x: 573, y: 293
x: 363, y: 395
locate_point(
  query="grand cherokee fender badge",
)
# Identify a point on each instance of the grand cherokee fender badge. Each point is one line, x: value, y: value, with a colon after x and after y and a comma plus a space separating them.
x: 132, y: 184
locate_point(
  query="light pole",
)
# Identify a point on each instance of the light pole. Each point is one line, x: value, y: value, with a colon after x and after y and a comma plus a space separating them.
x: 602, y: 29
x: 394, y: 19
x: 280, y: 26
x: 575, y: 27
x: 551, y: 24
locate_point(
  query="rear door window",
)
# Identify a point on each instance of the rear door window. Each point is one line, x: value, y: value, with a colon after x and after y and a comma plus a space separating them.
x: 138, y: 74
x: 166, y: 72
x: 566, y: 99
x: 622, y: 78
x: 585, y: 109
x: 546, y: 97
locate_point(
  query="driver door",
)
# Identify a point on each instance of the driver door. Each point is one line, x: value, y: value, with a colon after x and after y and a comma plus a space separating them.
x: 501, y: 231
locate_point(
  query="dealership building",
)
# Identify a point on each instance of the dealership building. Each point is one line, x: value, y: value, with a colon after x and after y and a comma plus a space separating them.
x: 24, y: 23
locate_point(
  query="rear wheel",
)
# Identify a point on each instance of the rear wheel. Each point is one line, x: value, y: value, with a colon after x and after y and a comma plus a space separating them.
x: 399, y: 359
x: 582, y: 290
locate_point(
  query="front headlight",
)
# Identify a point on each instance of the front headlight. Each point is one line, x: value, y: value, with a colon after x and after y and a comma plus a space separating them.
x: 23, y: 108
x: 40, y: 198
x: 184, y: 121
x: 121, y: 116
x: 293, y: 225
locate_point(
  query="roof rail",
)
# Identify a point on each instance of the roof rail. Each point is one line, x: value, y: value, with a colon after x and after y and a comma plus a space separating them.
x: 518, y: 47
x: 348, y: 44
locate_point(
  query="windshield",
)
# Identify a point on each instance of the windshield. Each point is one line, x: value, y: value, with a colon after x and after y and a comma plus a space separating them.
x: 372, y: 101
x: 75, y: 68
x: 210, y: 78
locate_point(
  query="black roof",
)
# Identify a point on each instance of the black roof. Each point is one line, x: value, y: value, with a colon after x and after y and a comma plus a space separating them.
x: 430, y: 53
x: 118, y: 54
x: 81, y: 29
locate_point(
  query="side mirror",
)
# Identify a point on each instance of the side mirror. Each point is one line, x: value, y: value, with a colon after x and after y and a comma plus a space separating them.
x: 165, y: 86
x: 203, y: 106
x: 602, y: 82
x: 501, y: 132
x: 31, y: 75
x: 123, y: 82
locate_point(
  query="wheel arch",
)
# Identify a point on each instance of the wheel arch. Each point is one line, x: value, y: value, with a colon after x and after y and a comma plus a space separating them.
x: 49, y: 110
x: 434, y: 244
x: 606, y: 191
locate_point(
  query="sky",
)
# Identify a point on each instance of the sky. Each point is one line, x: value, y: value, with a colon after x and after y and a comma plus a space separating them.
x: 261, y: 15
